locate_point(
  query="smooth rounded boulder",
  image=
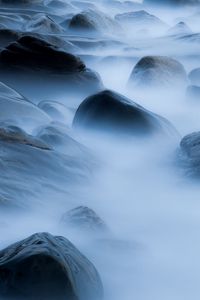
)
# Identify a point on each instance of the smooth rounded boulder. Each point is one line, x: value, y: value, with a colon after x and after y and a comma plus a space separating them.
x: 45, y: 267
x: 158, y: 72
x: 110, y: 112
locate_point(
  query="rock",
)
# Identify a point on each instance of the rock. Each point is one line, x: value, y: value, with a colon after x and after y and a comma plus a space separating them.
x: 95, y: 22
x: 180, y: 28
x: 194, y: 76
x: 44, y: 266
x: 19, y: 111
x: 42, y: 23
x: 189, y: 155
x: 110, y: 112
x: 158, y: 72
x: 13, y: 134
x: 7, y: 36
x: 46, y: 65
x: 84, y: 219
x: 141, y: 20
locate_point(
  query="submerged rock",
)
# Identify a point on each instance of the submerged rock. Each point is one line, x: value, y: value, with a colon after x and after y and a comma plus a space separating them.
x: 158, y: 72
x: 44, y: 266
x: 84, y: 219
x: 31, y: 64
x: 110, y: 112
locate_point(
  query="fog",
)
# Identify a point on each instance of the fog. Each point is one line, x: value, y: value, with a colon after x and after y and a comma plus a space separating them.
x: 136, y: 186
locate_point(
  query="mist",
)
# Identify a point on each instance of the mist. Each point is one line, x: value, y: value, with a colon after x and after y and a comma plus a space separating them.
x: 135, y: 184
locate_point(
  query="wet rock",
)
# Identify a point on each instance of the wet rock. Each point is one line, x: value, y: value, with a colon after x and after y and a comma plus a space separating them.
x: 44, y: 266
x: 109, y: 112
x: 84, y: 219
x: 158, y: 72
x: 45, y: 65
x: 7, y: 36
x: 194, y: 76
x: 95, y: 22
x: 189, y: 154
x: 13, y: 134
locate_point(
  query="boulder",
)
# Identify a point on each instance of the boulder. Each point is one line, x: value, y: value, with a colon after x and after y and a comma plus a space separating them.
x: 95, y: 22
x: 31, y: 65
x: 189, y: 155
x: 84, y: 219
x: 44, y: 266
x: 110, y: 112
x: 158, y: 72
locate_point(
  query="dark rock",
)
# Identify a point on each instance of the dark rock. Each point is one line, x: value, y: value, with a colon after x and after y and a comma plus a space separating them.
x: 30, y: 52
x: 158, y: 72
x: 194, y: 76
x: 44, y: 266
x: 84, y: 219
x: 7, y: 36
x: 111, y: 112
x: 46, y: 65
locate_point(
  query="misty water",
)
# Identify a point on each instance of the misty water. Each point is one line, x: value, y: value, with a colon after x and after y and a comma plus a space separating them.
x: 137, y: 186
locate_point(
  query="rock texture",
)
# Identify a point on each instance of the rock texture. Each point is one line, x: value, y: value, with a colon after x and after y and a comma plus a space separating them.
x: 45, y: 267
